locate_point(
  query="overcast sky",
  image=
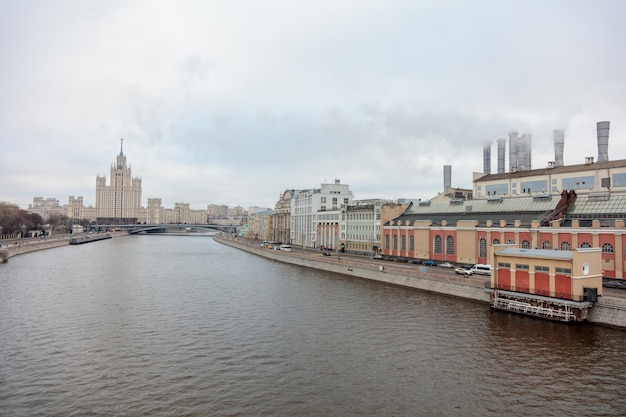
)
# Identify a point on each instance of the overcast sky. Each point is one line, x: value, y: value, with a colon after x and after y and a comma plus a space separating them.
x: 232, y: 102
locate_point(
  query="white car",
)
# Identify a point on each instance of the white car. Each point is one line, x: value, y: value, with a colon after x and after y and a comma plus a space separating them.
x: 446, y: 265
x: 463, y: 271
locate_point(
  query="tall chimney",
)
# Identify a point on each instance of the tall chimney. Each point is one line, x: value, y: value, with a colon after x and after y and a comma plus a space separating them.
x: 512, y: 150
x: 603, y: 141
x: 447, y: 177
x: 487, y: 158
x: 559, y: 144
x: 524, y: 152
x: 501, y: 155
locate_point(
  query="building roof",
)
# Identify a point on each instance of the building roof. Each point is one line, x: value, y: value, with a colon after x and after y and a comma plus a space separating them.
x: 524, y: 209
x: 537, y: 253
x: 621, y: 163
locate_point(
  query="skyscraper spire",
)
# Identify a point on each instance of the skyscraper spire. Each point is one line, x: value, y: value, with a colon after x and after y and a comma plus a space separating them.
x: 122, y: 147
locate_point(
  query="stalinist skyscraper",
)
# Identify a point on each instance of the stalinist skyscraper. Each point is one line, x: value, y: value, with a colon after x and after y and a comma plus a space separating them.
x: 119, y: 202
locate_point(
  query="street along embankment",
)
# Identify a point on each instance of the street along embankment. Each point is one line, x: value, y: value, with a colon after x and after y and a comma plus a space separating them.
x: 608, y: 311
x: 419, y: 278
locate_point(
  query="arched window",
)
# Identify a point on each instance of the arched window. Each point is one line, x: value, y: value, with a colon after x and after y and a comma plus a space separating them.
x: 411, y: 243
x: 525, y: 244
x: 607, y: 248
x: 566, y: 246
x: 510, y: 241
x: 395, y: 242
x: 482, y: 248
x: 403, y: 243
x: 450, y: 245
x: 546, y: 245
x: 437, y: 244
x: 585, y: 245
x: 496, y: 242
x: 387, y: 242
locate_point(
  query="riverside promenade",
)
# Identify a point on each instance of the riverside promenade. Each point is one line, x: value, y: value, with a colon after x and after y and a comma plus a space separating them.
x: 14, y: 247
x: 609, y: 310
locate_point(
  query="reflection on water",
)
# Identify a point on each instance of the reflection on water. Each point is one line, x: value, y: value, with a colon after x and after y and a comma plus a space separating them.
x: 181, y: 325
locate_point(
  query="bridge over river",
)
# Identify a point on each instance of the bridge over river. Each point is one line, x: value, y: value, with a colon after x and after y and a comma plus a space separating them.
x: 167, y: 227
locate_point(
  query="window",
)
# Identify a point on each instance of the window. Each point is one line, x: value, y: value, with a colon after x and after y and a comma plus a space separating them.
x: 522, y: 267
x: 607, y: 248
x: 510, y: 241
x: 546, y: 245
x: 535, y: 186
x: 619, y: 180
x: 525, y: 244
x: 437, y: 244
x: 411, y: 243
x: 566, y: 246
x: 403, y: 242
x: 585, y: 245
x: 323, y: 200
x: 387, y: 242
x: 504, y: 265
x: 496, y: 242
x: 395, y: 242
x: 542, y: 268
x: 482, y: 248
x: 563, y: 270
x: 450, y: 245
x: 578, y: 183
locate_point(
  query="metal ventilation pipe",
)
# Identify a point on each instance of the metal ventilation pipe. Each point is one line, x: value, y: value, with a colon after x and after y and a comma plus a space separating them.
x: 501, y: 155
x: 447, y: 177
x: 524, y: 152
x: 521, y: 154
x: 529, y: 151
x: 487, y: 158
x: 603, y: 141
x: 513, y: 149
x: 559, y: 144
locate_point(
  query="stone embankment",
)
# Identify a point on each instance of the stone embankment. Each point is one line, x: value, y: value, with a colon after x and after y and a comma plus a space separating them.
x: 14, y: 247
x: 20, y: 247
x: 609, y: 310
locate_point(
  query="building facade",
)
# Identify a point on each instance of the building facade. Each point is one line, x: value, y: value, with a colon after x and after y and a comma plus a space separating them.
x: 120, y: 201
x: 305, y: 206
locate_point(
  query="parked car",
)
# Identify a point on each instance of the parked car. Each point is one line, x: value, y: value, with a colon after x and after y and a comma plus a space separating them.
x: 463, y: 271
x: 428, y: 262
x: 416, y: 261
x: 401, y: 260
x: 326, y: 253
x: 446, y: 265
x: 615, y: 284
x: 480, y: 269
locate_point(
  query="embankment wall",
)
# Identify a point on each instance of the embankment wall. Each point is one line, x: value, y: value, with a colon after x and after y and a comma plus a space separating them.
x: 609, y: 311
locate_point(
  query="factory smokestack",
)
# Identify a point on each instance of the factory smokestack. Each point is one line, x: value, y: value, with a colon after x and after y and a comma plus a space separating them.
x: 501, y: 155
x: 447, y: 178
x: 487, y: 157
x: 513, y: 151
x: 524, y: 152
x: 603, y: 141
x: 559, y: 144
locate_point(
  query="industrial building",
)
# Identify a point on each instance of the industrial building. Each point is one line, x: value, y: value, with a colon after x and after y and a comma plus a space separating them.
x: 558, y: 207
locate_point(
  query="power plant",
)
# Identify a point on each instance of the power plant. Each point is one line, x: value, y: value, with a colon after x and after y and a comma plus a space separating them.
x: 520, y: 150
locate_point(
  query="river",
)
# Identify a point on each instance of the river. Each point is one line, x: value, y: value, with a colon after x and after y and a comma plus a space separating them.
x: 184, y: 326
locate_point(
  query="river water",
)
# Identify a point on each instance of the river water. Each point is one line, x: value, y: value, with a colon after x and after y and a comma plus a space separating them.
x: 185, y: 326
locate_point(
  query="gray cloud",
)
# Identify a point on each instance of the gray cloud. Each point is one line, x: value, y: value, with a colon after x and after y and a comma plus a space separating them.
x: 232, y: 102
